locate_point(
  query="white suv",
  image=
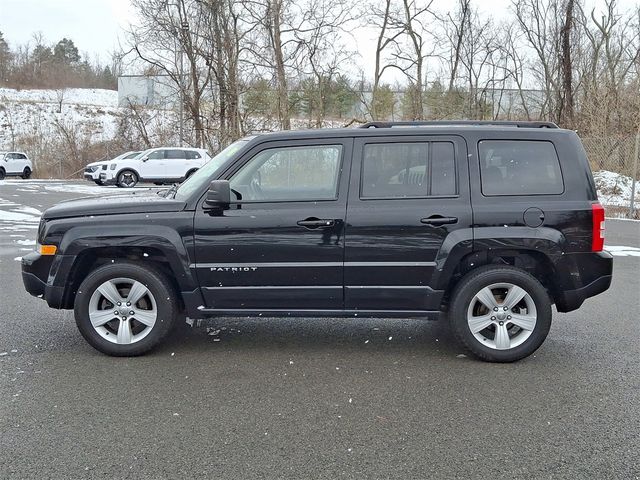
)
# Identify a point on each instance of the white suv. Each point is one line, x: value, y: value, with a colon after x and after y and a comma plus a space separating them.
x: 15, y: 164
x: 92, y: 170
x: 157, y: 165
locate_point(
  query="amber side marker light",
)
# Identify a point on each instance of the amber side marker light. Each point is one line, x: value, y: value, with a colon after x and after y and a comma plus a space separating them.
x: 47, y: 249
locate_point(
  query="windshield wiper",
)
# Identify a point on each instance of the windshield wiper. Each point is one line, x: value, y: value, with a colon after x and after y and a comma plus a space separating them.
x: 169, y: 191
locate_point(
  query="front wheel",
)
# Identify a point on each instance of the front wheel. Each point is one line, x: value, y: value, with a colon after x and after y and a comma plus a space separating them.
x: 127, y: 179
x: 2, y: 174
x: 26, y: 173
x: 99, y: 182
x: 500, y: 313
x: 124, y: 309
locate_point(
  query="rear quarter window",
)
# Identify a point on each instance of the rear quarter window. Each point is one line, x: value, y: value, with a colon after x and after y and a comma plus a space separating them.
x: 519, y: 167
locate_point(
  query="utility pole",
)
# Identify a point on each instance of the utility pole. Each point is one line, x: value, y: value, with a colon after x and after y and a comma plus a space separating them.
x: 636, y: 153
x: 185, y: 31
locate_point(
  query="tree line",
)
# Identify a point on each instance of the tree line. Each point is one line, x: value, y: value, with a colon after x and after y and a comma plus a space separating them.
x: 38, y: 64
x: 239, y: 66
x: 229, y: 59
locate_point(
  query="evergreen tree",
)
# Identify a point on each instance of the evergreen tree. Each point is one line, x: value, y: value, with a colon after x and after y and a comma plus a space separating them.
x: 66, y: 52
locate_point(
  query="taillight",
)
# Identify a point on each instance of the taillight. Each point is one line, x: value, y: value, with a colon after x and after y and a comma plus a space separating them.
x: 597, y: 219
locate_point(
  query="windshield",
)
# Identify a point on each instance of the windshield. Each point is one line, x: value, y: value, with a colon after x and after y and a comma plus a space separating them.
x: 203, y: 175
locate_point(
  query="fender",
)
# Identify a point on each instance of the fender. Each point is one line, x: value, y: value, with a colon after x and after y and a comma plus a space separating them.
x: 548, y: 241
x: 165, y: 239
x: 460, y: 243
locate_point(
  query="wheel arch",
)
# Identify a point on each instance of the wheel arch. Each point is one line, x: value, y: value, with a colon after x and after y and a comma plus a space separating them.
x: 82, y: 251
x: 124, y: 169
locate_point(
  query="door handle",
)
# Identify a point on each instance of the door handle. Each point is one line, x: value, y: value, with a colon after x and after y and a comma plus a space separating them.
x: 312, y: 223
x: 437, y: 220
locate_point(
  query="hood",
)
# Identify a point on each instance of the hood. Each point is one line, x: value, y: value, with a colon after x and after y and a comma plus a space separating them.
x: 115, y: 204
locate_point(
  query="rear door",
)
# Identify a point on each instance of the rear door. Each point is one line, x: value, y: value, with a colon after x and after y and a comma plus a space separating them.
x: 176, y: 163
x: 408, y: 196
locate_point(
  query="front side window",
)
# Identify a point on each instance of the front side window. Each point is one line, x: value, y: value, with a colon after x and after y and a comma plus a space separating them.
x: 519, y: 167
x: 157, y: 155
x: 290, y: 174
x: 405, y: 170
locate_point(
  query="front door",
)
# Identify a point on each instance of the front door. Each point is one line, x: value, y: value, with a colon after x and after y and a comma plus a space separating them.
x: 280, y: 246
x: 154, y: 166
x: 407, y: 197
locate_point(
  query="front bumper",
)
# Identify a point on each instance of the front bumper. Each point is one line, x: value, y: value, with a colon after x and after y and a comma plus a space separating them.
x: 107, y: 179
x: 92, y: 176
x: 37, y: 280
x: 580, y: 276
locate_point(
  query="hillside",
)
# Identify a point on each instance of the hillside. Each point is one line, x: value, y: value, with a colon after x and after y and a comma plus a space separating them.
x: 25, y: 113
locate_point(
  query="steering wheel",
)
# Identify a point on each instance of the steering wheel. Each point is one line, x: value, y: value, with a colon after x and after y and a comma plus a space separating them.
x: 255, y: 190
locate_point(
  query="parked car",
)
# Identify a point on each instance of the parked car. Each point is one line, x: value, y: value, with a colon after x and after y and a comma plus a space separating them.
x: 15, y: 164
x: 484, y: 224
x: 157, y: 165
x: 92, y: 170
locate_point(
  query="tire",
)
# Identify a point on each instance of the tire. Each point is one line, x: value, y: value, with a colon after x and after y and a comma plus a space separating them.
x: 99, y: 182
x: 494, y: 284
x: 26, y: 173
x: 190, y: 172
x: 3, y: 174
x: 141, y: 331
x: 127, y: 179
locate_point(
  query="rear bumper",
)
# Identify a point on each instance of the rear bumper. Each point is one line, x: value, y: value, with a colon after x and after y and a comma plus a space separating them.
x: 580, y: 276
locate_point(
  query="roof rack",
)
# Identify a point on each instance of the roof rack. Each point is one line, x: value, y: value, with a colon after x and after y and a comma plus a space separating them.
x: 494, y: 123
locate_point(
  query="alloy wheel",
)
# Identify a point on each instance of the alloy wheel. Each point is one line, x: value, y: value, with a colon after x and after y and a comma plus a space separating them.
x: 122, y: 311
x: 502, y: 316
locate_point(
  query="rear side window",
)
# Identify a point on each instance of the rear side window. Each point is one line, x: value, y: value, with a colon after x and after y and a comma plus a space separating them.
x: 191, y: 154
x: 519, y: 167
x: 176, y: 154
x: 405, y: 170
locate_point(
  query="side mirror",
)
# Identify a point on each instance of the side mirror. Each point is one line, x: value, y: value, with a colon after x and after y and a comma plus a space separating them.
x: 144, y: 159
x: 218, y: 195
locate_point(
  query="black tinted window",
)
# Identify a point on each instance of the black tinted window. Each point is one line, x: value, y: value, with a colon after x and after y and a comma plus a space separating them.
x: 191, y: 155
x: 519, y: 167
x: 176, y: 154
x: 398, y: 170
x: 443, y: 170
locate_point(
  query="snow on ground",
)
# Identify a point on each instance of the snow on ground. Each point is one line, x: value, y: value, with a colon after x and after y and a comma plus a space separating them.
x: 84, y: 96
x: 614, y: 189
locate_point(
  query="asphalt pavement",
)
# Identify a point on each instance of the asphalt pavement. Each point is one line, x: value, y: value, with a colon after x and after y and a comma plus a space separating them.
x: 313, y: 399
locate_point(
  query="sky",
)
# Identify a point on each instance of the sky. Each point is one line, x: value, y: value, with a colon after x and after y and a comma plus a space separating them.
x: 96, y: 26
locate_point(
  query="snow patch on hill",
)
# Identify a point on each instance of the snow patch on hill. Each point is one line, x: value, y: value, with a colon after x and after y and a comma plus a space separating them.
x: 614, y: 189
x: 80, y: 96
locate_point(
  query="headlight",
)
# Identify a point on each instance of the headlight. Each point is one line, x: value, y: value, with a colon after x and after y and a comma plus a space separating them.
x: 112, y: 166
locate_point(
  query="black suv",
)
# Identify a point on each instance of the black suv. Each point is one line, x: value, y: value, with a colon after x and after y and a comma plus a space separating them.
x: 490, y: 223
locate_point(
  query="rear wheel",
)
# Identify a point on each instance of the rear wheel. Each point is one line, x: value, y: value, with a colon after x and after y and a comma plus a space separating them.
x: 26, y: 173
x: 127, y: 179
x: 124, y: 309
x: 98, y: 182
x: 500, y: 313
